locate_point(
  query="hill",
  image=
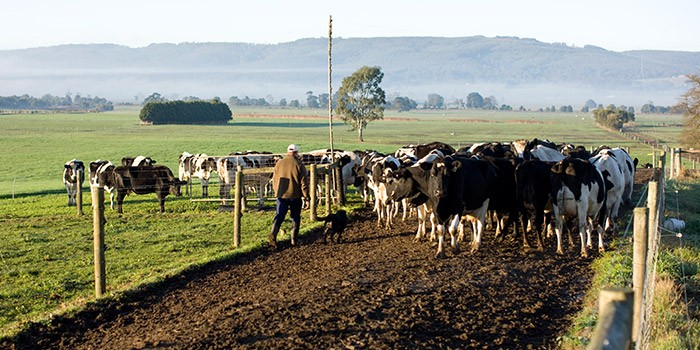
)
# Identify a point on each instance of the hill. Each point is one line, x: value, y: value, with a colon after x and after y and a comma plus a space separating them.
x: 516, y: 71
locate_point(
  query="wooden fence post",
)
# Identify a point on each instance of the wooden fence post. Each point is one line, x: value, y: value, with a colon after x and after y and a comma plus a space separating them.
x: 338, y: 185
x: 98, y: 234
x: 614, y: 328
x: 639, y: 262
x: 653, y: 205
x: 312, y: 192
x: 328, y: 192
x: 79, y: 192
x: 237, y: 209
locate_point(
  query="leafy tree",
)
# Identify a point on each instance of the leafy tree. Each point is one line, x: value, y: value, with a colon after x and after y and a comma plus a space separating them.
x: 312, y: 100
x: 690, y: 104
x: 590, y: 104
x: 283, y: 102
x: 361, y: 99
x: 404, y: 104
x: 648, y: 108
x: 435, y: 101
x: 475, y: 100
x: 182, y: 112
x: 490, y: 103
x: 295, y: 104
x: 154, y: 97
x: 612, y: 116
x: 323, y: 100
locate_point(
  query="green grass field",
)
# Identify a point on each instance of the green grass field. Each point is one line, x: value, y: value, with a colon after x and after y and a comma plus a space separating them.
x: 46, y: 248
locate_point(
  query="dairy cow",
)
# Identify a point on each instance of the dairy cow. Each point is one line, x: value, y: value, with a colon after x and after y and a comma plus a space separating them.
x: 614, y: 178
x: 627, y: 165
x: 101, y: 176
x: 73, y: 177
x: 196, y: 165
x: 459, y: 186
x: 578, y: 191
x: 157, y: 179
x: 137, y: 161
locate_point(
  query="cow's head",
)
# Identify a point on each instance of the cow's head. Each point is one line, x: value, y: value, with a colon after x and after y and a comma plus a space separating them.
x: 175, y: 189
x: 440, y: 174
x: 73, y: 171
x: 400, y: 184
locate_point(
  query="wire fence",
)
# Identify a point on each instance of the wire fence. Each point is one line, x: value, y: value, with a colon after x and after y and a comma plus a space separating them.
x: 638, y: 327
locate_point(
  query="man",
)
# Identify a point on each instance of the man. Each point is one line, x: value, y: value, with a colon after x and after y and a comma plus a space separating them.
x: 290, y: 183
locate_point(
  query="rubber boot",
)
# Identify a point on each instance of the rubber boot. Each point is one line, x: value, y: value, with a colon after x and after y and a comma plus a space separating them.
x: 294, y: 237
x: 272, y: 238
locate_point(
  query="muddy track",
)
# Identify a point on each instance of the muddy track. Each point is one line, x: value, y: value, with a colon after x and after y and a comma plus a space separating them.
x: 377, y: 290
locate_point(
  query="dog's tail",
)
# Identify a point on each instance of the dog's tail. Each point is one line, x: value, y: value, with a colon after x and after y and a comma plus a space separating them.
x: 324, y: 218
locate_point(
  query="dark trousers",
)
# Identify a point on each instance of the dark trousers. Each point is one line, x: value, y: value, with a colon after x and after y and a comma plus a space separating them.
x: 291, y: 205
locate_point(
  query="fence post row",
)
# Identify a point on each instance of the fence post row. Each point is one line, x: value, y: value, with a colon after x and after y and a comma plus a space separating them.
x: 98, y: 221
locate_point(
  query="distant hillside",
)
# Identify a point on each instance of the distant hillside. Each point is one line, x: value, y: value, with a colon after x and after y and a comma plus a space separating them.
x: 515, y: 71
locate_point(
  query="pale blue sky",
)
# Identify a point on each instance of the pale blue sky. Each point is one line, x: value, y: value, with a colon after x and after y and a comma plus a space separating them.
x: 613, y: 25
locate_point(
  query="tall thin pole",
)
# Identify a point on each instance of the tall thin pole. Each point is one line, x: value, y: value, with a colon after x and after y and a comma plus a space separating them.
x: 330, y: 84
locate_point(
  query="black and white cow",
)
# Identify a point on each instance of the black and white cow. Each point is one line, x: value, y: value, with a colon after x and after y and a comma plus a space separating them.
x: 578, y: 191
x: 196, y: 165
x: 409, y: 184
x: 606, y: 162
x: 380, y: 169
x: 138, y: 161
x: 256, y: 183
x: 421, y: 150
x: 627, y: 165
x: 73, y: 177
x: 533, y: 186
x: 537, y: 149
x: 460, y: 186
x: 503, y: 194
x: 101, y: 176
x: 157, y: 179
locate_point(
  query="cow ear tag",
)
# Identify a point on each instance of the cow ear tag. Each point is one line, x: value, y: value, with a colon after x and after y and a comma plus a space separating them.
x: 456, y: 165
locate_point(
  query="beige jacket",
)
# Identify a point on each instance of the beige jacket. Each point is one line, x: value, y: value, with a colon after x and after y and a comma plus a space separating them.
x: 290, y: 179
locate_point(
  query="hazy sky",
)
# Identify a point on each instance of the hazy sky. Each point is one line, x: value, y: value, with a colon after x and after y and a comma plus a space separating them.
x: 613, y: 25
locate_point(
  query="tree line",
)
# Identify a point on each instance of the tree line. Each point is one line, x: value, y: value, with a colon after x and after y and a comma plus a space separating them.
x: 50, y: 102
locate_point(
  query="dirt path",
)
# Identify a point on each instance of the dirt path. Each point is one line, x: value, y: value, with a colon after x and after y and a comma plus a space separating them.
x: 377, y: 290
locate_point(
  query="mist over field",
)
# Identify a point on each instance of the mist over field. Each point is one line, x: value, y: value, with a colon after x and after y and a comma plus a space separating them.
x: 517, y: 72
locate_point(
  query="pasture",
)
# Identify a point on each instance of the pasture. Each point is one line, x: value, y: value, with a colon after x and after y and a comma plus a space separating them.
x: 46, y: 248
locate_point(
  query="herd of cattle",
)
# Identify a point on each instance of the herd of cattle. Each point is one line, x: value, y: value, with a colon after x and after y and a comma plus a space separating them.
x: 521, y: 184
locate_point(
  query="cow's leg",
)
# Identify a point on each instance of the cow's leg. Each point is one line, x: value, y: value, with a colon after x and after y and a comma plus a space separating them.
x: 68, y: 189
x: 480, y: 224
x: 433, y: 227
x: 559, y: 221
x: 582, y: 216
x: 421, y: 213
x: 441, y: 239
x: 111, y: 200
x: 120, y: 200
x: 205, y: 188
x: 454, y: 226
x: 389, y: 214
x: 161, y: 201
x: 404, y: 206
